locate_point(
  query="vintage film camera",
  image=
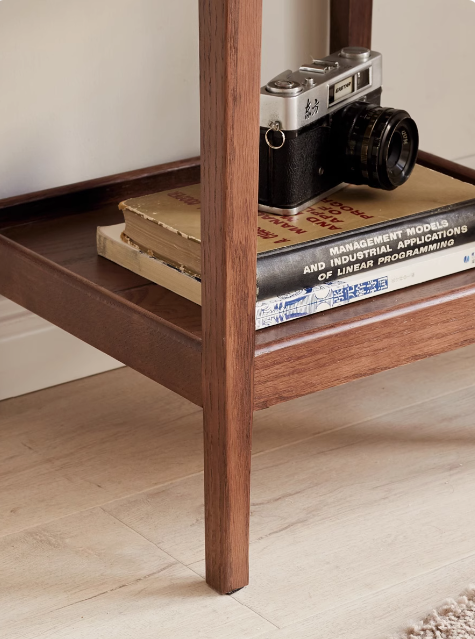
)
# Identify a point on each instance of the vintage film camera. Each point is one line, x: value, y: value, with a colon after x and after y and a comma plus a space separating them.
x: 322, y: 127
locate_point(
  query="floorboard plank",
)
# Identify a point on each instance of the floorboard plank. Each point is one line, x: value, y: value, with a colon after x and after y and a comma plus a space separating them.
x: 388, y: 612
x: 295, y: 469
x: 88, y: 575
x: 388, y: 500
x: 82, y: 444
x: 362, y: 515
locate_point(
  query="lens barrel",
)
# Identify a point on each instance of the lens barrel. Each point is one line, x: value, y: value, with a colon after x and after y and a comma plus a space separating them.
x: 375, y: 145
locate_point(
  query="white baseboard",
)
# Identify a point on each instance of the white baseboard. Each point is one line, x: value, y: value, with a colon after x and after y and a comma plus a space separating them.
x: 35, y: 354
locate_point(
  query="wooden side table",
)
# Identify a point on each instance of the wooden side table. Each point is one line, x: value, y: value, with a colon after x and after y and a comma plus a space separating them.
x: 213, y: 356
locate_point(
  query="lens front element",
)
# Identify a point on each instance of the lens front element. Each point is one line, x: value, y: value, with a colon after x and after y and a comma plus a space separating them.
x: 376, y: 145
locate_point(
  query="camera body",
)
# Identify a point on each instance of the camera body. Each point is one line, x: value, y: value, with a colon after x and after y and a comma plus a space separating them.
x: 322, y: 127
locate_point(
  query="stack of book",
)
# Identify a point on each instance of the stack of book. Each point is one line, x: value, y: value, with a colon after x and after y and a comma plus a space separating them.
x: 356, y: 244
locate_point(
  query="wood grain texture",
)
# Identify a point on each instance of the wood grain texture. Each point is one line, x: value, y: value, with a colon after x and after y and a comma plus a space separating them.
x: 49, y: 265
x: 350, y: 23
x: 388, y: 612
x: 70, y: 242
x: 61, y: 453
x: 88, y: 575
x: 230, y: 38
x: 152, y: 345
x: 369, y: 344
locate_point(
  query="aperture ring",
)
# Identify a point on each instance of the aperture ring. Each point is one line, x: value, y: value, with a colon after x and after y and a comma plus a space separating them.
x: 368, y: 140
x: 383, y: 131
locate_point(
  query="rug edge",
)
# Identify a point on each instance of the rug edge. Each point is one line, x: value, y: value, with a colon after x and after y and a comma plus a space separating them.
x: 466, y: 597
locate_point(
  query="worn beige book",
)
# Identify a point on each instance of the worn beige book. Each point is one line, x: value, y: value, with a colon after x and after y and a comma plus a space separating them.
x: 111, y: 246
x: 167, y: 224
x: 357, y: 229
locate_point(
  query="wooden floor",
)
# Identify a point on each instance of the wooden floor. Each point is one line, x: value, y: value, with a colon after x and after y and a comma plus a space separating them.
x: 362, y: 510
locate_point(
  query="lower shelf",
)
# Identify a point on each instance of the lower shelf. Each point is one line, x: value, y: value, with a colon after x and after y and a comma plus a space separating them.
x: 48, y: 264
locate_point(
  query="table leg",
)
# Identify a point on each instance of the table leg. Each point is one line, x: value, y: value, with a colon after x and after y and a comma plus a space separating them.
x: 227, y: 453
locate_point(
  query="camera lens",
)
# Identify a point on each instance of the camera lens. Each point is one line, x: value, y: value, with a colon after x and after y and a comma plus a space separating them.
x: 375, y: 145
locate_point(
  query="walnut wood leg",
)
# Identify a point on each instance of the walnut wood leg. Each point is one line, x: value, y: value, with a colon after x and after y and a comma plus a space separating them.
x: 350, y: 23
x: 230, y: 33
x: 227, y: 451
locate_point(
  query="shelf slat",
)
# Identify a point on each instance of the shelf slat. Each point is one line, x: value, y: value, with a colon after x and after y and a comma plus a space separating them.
x: 110, y: 322
x: 48, y: 264
x: 365, y: 338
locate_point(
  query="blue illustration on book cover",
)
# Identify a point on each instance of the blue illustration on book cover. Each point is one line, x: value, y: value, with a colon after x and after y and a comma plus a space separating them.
x: 313, y: 300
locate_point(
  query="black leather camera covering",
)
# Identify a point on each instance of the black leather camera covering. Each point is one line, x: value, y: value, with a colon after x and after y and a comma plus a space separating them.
x: 292, y: 175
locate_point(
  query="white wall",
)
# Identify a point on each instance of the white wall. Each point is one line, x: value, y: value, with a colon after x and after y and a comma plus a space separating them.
x: 429, y: 69
x: 95, y: 87
x: 293, y: 31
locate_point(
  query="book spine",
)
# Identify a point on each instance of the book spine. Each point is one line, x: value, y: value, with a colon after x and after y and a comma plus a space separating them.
x: 364, y: 250
x: 333, y: 294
